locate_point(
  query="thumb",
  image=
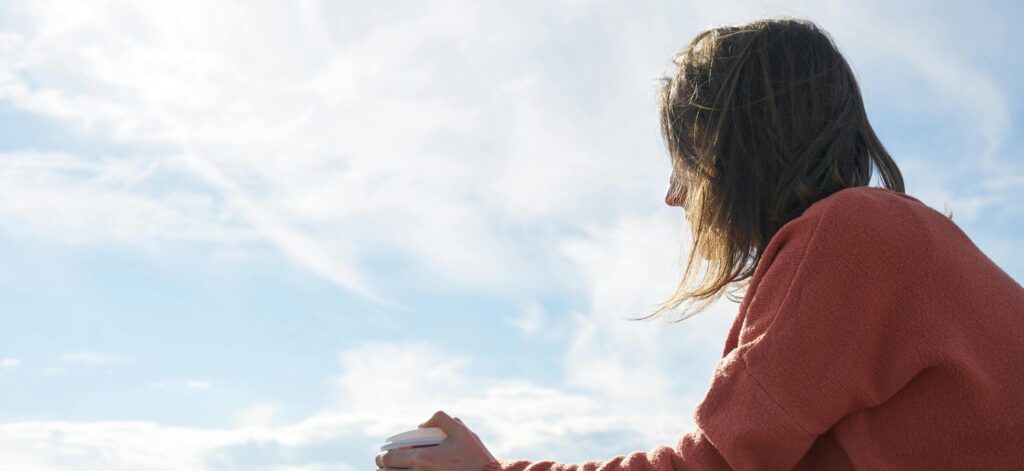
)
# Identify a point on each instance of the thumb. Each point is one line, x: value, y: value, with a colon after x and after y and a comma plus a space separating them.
x: 444, y: 422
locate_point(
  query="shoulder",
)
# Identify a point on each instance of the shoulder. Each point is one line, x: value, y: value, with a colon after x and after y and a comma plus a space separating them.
x: 857, y: 240
x: 863, y: 217
x: 859, y: 230
x: 865, y: 203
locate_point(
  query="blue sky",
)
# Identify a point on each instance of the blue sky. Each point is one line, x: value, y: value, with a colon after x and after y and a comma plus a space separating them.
x: 266, y: 236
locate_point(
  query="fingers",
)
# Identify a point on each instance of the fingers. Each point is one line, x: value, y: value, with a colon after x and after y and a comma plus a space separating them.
x: 463, y: 424
x: 461, y: 440
x: 445, y: 422
x: 404, y: 458
x: 434, y: 422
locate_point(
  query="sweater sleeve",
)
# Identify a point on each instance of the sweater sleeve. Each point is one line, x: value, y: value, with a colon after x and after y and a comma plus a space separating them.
x: 693, y: 451
x: 818, y: 337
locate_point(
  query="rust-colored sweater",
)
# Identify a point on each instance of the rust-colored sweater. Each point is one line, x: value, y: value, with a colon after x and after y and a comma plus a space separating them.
x: 874, y: 336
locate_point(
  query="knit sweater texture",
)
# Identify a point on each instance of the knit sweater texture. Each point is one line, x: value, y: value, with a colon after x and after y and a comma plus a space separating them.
x: 874, y: 335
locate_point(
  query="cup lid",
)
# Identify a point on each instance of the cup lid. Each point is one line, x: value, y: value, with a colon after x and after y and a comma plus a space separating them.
x: 418, y: 437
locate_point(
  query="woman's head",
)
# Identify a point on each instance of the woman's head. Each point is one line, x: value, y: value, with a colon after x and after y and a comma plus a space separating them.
x: 761, y: 120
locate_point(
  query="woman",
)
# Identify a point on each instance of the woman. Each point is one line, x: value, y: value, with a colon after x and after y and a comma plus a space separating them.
x: 873, y: 334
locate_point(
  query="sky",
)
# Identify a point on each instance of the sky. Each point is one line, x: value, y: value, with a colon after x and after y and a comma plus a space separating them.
x: 267, y: 235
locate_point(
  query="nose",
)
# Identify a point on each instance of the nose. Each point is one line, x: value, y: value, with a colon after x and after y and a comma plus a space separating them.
x: 675, y: 199
x: 675, y: 196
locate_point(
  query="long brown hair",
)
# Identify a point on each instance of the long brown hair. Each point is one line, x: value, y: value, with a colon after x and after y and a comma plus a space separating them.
x: 761, y: 120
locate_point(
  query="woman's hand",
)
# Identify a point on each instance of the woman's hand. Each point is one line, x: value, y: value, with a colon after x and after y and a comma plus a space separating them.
x: 461, y: 451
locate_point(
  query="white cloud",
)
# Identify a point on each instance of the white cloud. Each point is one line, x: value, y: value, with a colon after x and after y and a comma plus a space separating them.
x: 935, y: 190
x: 197, y: 384
x: 373, y: 145
x: 441, y: 136
x: 384, y: 388
x: 10, y: 362
x: 388, y: 387
x: 530, y: 320
x: 110, y: 445
x: 646, y: 368
x: 22, y: 461
x: 315, y: 467
x: 91, y: 358
x: 257, y: 415
x: 74, y: 199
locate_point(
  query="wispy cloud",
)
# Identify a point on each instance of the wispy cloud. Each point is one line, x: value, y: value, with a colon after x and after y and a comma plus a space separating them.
x: 530, y: 320
x: 354, y: 149
x: 91, y: 358
x: 257, y: 415
x: 394, y: 139
x: 69, y: 198
x: 10, y: 362
x: 197, y: 384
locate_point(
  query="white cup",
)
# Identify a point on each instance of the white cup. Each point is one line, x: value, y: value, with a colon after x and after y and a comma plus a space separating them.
x: 420, y: 437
